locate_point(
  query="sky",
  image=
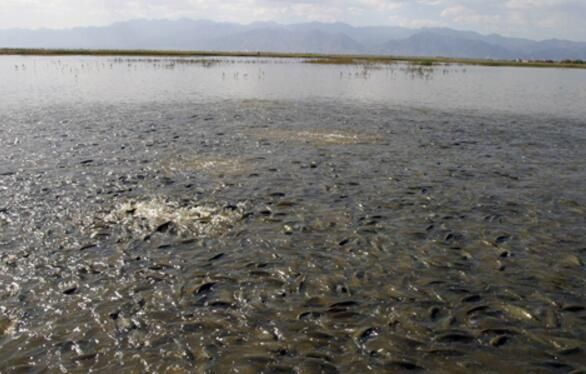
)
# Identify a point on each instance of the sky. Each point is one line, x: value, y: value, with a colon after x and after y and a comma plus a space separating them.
x: 535, y: 19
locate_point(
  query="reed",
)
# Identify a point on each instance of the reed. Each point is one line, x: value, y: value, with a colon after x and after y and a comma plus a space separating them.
x: 311, y: 58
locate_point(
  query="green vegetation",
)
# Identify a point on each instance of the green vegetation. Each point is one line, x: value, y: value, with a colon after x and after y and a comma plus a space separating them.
x: 307, y: 57
x: 350, y: 60
x: 574, y: 62
x: 146, y: 53
x: 171, y: 61
x: 432, y: 61
x: 422, y: 63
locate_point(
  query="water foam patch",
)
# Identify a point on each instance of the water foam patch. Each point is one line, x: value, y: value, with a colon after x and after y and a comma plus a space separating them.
x: 213, y: 166
x: 320, y: 137
x: 184, y: 219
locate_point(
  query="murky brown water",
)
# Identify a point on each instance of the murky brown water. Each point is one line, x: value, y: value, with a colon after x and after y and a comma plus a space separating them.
x: 306, y: 235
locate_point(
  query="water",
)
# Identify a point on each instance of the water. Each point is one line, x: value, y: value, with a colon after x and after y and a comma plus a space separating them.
x: 33, y: 81
x: 265, y: 215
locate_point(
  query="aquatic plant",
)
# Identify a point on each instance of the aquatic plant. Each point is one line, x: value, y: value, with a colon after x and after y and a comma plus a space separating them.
x: 422, y: 62
x: 308, y: 57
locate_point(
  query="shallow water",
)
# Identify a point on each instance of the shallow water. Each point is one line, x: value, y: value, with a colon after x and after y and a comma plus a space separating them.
x: 177, y: 218
x: 34, y: 81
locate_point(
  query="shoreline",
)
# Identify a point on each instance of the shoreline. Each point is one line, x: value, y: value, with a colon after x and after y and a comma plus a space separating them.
x: 314, y: 58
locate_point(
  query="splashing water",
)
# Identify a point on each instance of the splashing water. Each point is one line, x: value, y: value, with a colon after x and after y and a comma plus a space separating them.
x: 159, y: 214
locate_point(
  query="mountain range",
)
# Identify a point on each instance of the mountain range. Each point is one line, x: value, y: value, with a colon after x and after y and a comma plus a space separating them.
x: 315, y: 37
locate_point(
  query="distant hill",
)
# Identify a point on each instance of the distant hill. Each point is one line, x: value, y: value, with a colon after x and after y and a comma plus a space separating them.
x: 312, y: 37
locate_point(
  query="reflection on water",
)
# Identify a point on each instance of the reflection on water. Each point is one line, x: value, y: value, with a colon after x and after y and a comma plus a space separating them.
x: 290, y: 218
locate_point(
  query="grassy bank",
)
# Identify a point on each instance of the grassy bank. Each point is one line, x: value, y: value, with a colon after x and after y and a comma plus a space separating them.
x: 309, y: 57
x: 431, y: 61
x: 147, y: 53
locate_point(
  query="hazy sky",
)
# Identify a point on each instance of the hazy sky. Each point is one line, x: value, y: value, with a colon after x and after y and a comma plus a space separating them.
x: 537, y: 19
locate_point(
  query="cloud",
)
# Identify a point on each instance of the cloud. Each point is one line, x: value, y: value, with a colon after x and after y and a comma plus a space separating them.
x: 527, y: 18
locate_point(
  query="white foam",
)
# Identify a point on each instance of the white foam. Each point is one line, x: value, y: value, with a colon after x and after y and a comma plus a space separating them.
x: 199, y: 220
x: 212, y: 166
x: 320, y: 137
x: 332, y: 137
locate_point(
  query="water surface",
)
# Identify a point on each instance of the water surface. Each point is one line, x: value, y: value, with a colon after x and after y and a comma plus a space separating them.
x: 251, y: 215
x: 42, y: 81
